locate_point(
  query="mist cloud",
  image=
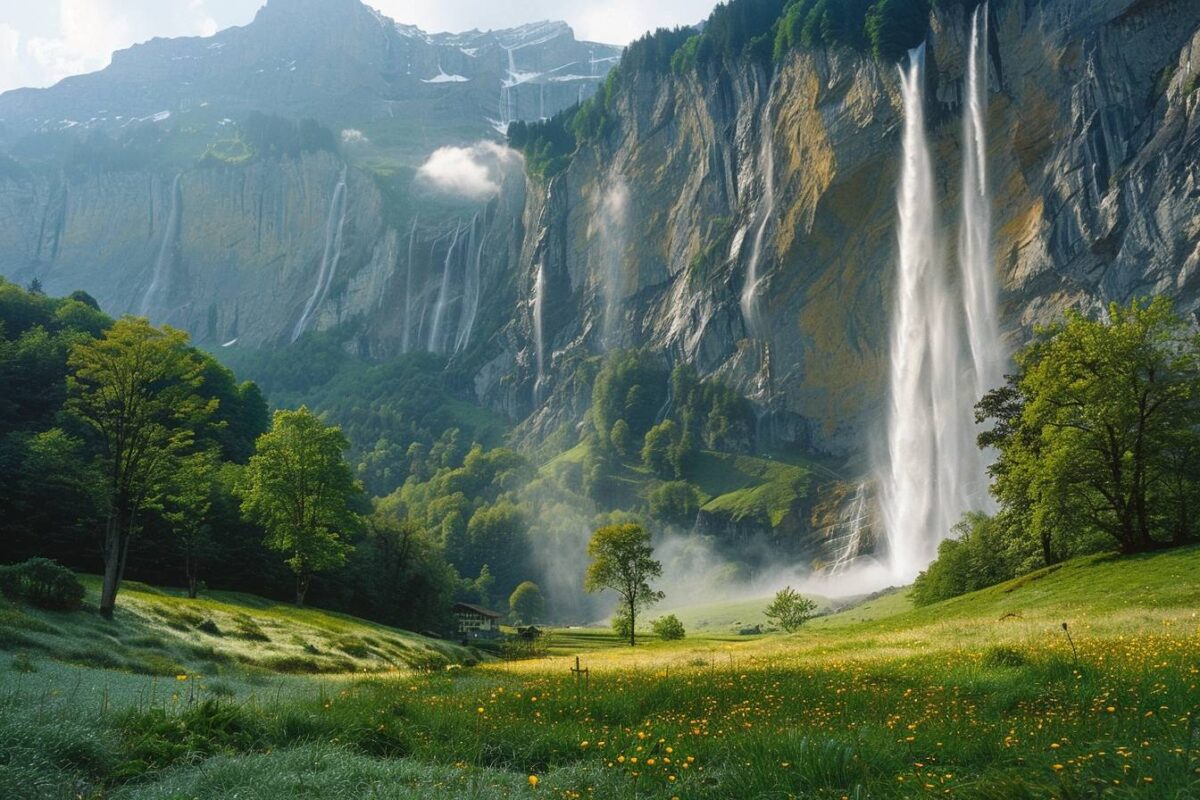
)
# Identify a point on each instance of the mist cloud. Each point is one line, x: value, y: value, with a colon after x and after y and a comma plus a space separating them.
x: 474, y: 172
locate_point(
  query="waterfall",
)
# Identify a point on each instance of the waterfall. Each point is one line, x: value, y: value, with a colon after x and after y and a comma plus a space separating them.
x: 539, y: 292
x: 935, y: 473
x: 472, y: 279
x: 439, y: 308
x: 408, y: 276
x: 979, y: 281
x: 766, y: 211
x: 851, y: 528
x: 612, y: 230
x: 335, y: 224
x: 166, y: 250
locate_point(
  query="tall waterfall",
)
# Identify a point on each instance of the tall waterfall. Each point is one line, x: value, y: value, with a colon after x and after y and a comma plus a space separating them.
x: 439, y: 308
x: 539, y: 342
x: 165, y: 251
x: 934, y: 473
x: 979, y: 281
x: 766, y: 212
x: 335, y: 224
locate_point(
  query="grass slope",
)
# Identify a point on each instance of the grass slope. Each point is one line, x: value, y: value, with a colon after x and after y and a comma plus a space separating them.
x: 163, y: 633
x: 982, y: 697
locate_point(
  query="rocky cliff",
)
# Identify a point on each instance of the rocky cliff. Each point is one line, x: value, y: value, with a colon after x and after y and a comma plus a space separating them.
x: 396, y: 221
x: 789, y: 173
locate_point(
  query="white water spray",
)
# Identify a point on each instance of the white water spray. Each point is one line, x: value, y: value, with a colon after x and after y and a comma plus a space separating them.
x: 165, y: 251
x: 335, y: 224
x: 766, y: 211
x: 979, y: 280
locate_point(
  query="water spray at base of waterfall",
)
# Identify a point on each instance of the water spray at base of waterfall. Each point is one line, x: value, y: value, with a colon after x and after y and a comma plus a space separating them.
x: 335, y: 225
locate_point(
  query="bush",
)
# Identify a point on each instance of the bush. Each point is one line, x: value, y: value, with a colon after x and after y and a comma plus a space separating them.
x: 677, y: 502
x: 668, y: 628
x: 42, y: 583
x: 790, y: 609
x: 979, y: 556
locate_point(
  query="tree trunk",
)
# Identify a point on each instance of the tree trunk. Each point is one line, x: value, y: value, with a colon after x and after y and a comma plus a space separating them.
x: 112, y: 565
x: 190, y: 570
x: 632, y: 624
x: 301, y: 589
x: 1047, y: 551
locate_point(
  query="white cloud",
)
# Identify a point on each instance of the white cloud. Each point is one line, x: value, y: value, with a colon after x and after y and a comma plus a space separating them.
x: 473, y: 172
x: 354, y: 136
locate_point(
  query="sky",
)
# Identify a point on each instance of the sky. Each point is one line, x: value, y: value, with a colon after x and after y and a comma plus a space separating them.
x: 44, y: 41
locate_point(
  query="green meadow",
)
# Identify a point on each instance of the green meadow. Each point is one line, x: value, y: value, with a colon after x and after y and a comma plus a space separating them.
x: 983, y: 696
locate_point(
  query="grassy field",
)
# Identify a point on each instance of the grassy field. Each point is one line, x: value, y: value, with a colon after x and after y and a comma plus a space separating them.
x: 981, y: 697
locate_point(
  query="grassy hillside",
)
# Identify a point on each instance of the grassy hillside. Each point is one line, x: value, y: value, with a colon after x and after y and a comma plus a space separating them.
x: 982, y: 697
x: 163, y: 633
x: 737, y: 487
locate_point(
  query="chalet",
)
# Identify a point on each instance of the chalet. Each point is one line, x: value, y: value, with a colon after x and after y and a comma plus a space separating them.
x: 477, y: 622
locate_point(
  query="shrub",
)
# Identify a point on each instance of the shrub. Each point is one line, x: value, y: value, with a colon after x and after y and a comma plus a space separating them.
x: 675, y: 501
x: 668, y: 628
x: 42, y: 583
x: 978, y: 557
x: 790, y: 609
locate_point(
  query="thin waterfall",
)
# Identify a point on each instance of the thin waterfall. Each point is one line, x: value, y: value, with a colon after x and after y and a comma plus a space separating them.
x: 471, y: 288
x: 766, y: 211
x: 166, y: 251
x: 979, y: 279
x: 612, y: 230
x: 539, y: 292
x: 335, y: 224
x: 408, y: 277
x: 439, y: 308
x: 851, y: 528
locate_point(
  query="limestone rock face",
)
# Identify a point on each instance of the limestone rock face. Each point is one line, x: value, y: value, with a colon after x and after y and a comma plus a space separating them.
x: 1095, y: 164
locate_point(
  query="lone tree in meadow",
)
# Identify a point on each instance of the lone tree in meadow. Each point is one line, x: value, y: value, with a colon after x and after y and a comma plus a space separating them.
x: 527, y: 603
x: 623, y: 561
x: 298, y: 486
x: 789, y: 610
x: 137, y: 389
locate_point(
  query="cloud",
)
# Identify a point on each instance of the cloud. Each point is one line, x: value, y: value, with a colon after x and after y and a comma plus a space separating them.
x: 354, y: 136
x: 473, y: 172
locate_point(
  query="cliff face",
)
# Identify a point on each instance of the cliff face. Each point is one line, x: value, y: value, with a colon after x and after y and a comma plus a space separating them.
x: 1094, y: 151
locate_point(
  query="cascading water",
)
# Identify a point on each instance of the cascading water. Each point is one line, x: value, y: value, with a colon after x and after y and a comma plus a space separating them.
x: 935, y: 473
x: 472, y: 279
x: 335, y: 225
x: 165, y: 251
x: 539, y: 343
x: 766, y: 211
x: 406, y: 340
x: 612, y: 230
x: 932, y: 460
x: 439, y: 308
x: 850, y: 530
x: 979, y: 280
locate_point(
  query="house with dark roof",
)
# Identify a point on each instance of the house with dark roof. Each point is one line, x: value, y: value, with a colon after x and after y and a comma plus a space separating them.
x: 477, y: 622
